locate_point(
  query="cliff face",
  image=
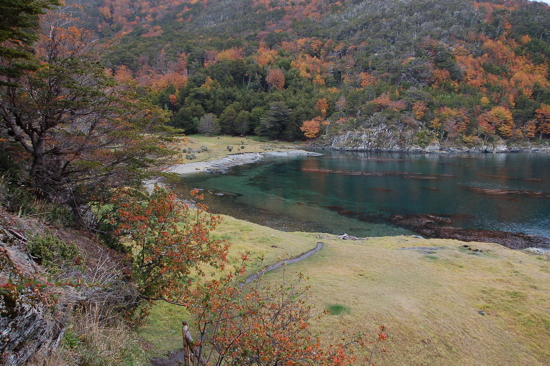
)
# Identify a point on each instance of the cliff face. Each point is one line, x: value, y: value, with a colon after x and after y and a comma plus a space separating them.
x: 384, y: 138
x: 29, y: 324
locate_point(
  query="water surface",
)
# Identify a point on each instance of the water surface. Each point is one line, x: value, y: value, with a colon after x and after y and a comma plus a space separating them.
x: 356, y: 193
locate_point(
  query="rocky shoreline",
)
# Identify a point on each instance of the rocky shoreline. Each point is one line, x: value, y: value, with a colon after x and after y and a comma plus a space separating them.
x: 380, y: 139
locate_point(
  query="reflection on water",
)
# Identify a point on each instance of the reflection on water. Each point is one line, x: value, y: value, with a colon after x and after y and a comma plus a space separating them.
x: 357, y: 192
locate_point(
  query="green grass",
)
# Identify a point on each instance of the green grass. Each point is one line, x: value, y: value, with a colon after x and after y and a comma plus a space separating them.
x: 217, y: 146
x: 337, y: 309
x: 431, y: 307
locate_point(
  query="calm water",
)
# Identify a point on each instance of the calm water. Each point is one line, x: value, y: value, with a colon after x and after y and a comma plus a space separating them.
x: 356, y: 193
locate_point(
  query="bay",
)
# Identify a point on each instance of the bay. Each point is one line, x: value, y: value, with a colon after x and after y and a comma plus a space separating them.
x: 357, y: 193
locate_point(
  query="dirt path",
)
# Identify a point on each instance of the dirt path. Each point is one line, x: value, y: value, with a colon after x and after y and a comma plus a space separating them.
x: 177, y: 357
x: 297, y: 259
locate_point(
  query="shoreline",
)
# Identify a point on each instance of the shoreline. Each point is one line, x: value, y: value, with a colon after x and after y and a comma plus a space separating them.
x: 221, y: 165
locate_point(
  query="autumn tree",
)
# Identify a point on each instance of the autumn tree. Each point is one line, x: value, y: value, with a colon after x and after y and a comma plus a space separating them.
x: 263, y: 324
x: 450, y: 122
x: 275, y: 78
x: 543, y: 119
x: 311, y: 128
x: 80, y: 130
x: 19, y: 22
x: 170, y: 242
x: 209, y: 125
x: 500, y: 119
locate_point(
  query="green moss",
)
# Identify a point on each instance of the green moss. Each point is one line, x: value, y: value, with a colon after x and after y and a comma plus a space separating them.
x: 337, y: 309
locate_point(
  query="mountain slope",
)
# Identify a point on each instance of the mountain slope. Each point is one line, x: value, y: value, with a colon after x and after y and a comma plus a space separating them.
x: 465, y: 72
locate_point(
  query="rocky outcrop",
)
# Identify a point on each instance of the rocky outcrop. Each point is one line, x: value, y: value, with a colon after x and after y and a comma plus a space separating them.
x: 367, y: 139
x: 382, y: 138
x: 435, y: 226
x: 29, y: 323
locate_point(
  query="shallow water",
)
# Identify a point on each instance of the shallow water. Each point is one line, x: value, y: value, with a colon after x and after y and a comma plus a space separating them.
x: 356, y: 193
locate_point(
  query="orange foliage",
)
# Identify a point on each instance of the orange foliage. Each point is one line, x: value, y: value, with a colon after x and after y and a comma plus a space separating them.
x: 234, y: 53
x: 366, y: 79
x: 308, y: 65
x: 322, y: 106
x: 123, y: 74
x: 419, y: 109
x: 312, y: 127
x: 265, y: 56
x: 500, y: 119
x: 384, y: 101
x: 543, y: 117
x: 275, y: 78
x: 164, y: 81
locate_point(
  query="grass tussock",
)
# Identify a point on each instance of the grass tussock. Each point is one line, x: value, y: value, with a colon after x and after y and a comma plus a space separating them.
x: 96, y: 337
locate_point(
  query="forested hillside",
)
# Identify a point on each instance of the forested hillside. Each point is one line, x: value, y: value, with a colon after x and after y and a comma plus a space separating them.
x: 469, y: 72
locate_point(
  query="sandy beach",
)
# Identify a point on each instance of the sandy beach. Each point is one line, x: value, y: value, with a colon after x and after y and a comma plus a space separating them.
x: 221, y: 165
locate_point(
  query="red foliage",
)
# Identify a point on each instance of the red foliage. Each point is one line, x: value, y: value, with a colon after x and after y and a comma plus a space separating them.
x: 170, y: 242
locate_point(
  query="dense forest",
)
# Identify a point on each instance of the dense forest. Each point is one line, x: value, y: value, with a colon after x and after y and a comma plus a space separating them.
x: 467, y: 72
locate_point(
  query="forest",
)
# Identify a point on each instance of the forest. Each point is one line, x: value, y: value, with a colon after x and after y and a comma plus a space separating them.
x: 464, y: 72
x: 96, y: 97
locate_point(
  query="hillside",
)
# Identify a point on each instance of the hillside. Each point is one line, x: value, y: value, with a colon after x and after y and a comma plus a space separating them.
x: 469, y: 73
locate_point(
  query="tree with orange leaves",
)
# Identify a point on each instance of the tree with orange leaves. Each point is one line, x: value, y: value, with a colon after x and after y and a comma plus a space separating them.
x: 275, y: 78
x: 170, y: 243
x: 312, y: 127
x: 265, y: 324
x: 80, y: 131
x: 501, y: 120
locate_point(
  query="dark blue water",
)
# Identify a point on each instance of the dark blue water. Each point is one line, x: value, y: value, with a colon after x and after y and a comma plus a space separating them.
x: 357, y: 193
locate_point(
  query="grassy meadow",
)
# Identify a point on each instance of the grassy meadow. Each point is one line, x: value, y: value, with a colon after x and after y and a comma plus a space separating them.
x: 217, y: 146
x: 430, y: 301
x: 460, y: 304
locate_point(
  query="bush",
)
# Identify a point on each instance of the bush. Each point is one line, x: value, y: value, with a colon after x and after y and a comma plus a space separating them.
x: 229, y: 148
x: 190, y: 156
x: 52, y: 253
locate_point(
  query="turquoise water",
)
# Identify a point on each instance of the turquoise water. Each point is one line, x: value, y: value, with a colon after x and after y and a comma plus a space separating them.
x: 356, y: 193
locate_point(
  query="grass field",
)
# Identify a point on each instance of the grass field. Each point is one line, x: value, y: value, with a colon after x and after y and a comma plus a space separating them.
x: 431, y: 302
x: 482, y: 304
x: 217, y: 146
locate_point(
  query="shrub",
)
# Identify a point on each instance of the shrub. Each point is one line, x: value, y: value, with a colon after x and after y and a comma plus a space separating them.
x: 52, y: 253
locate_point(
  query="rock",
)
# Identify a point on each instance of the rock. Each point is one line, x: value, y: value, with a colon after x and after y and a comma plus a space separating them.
x: 433, y: 147
x: 27, y: 325
x: 435, y: 226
